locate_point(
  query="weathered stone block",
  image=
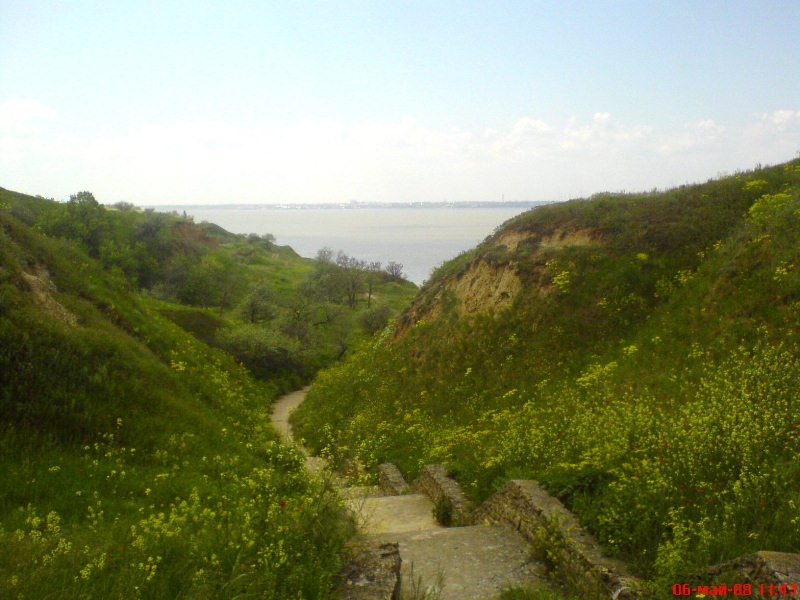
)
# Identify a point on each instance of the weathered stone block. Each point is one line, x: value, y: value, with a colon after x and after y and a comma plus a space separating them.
x: 391, y: 481
x: 556, y: 533
x: 764, y: 567
x: 372, y: 572
x: 434, y: 482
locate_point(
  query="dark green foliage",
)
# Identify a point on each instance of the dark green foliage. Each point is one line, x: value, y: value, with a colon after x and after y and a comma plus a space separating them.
x: 375, y: 319
x: 443, y: 510
x: 143, y: 245
x: 265, y: 352
x: 216, y: 280
x: 247, y: 278
x: 202, y: 324
x: 259, y: 304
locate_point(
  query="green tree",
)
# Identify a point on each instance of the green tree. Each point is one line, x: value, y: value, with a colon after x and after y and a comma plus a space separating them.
x: 264, y: 350
x: 327, y: 283
x: 353, y: 273
x: 375, y: 319
x: 81, y: 219
x: 395, y: 270
x: 259, y: 305
x: 373, y: 273
x: 216, y: 279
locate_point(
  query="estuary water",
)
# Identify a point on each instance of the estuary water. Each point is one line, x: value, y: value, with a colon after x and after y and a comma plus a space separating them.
x: 418, y: 238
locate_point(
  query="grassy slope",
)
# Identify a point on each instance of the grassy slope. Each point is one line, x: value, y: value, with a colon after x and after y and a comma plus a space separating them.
x: 205, y: 277
x: 647, y: 378
x: 134, y: 460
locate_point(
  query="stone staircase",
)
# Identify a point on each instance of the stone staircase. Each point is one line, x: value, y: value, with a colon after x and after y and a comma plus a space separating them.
x: 404, y: 553
x: 474, y: 562
x: 394, y: 514
x: 470, y: 562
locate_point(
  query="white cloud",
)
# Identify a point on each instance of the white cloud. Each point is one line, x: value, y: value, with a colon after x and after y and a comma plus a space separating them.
x: 529, y: 126
x: 707, y: 126
x: 782, y: 119
x: 331, y: 160
x: 601, y: 132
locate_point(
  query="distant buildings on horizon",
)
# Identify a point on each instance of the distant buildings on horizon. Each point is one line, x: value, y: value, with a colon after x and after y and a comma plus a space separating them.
x: 354, y: 204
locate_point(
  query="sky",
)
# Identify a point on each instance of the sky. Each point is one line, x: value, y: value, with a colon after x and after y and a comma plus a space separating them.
x: 204, y: 102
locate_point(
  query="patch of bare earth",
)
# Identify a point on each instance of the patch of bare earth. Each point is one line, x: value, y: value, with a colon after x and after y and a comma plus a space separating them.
x: 484, y: 287
x: 561, y: 238
x: 44, y: 291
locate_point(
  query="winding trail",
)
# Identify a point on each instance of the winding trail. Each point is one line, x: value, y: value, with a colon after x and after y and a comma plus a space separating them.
x: 461, y: 563
x: 283, y: 407
x: 281, y: 410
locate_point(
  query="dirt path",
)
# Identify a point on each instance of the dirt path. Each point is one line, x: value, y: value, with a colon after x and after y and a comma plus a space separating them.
x: 281, y: 410
x: 459, y: 563
x: 283, y: 407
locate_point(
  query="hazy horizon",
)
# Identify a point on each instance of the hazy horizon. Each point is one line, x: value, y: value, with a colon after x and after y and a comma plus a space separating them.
x: 354, y: 205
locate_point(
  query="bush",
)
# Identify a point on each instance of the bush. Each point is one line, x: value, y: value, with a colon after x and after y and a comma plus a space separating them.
x: 443, y: 510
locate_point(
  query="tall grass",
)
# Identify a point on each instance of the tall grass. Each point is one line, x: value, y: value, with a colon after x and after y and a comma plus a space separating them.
x: 135, y: 461
x: 647, y: 379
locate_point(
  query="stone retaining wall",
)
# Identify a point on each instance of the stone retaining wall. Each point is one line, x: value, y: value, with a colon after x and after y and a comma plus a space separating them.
x: 558, y: 536
x: 371, y: 572
x: 434, y: 482
x: 391, y: 480
x: 768, y: 568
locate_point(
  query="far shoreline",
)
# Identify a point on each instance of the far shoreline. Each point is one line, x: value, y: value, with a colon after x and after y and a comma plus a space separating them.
x: 353, y: 205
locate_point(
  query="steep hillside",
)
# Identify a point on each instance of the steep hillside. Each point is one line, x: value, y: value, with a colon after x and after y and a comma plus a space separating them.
x: 281, y: 315
x: 135, y: 461
x: 636, y: 353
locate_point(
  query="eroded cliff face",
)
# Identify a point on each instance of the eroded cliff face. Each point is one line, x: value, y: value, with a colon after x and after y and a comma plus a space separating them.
x: 492, y: 280
x: 486, y: 287
x: 513, y: 239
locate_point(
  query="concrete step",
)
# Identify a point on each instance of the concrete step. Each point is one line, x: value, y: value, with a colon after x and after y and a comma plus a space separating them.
x: 459, y: 563
x: 393, y: 514
x: 466, y: 563
x: 361, y: 491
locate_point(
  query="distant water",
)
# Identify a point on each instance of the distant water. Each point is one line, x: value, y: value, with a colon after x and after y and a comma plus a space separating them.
x: 418, y: 238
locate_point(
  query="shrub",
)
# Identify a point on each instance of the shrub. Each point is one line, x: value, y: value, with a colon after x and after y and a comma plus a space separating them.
x: 443, y: 510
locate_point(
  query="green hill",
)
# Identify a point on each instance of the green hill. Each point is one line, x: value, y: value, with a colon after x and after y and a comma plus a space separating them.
x: 281, y: 315
x: 137, y: 460
x: 636, y: 353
